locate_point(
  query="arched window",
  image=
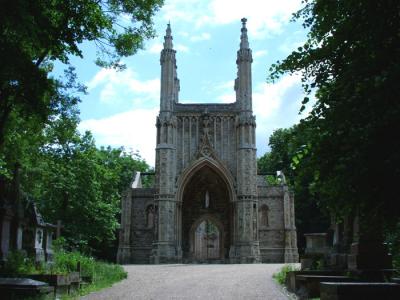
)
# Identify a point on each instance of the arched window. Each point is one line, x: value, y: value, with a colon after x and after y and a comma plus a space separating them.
x: 150, y: 216
x: 264, y: 218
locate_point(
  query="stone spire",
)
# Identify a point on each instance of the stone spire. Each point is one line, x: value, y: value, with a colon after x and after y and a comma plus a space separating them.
x: 168, y: 38
x: 169, y: 78
x: 244, y: 41
x: 243, y: 80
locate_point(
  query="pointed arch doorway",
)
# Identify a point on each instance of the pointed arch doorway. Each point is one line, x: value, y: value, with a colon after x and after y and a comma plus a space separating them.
x: 207, y: 241
x: 206, y: 217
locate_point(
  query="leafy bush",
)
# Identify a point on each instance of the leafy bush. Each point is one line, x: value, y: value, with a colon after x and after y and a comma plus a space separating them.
x: 104, y: 275
x: 280, y: 276
x: 100, y: 274
x: 18, y: 263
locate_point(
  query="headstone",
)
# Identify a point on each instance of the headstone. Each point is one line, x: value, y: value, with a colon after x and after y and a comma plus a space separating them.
x: 359, y: 290
x: 316, y: 243
x: 24, y: 288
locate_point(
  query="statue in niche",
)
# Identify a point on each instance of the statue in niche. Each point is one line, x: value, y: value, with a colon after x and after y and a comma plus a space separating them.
x: 150, y: 216
x: 264, y: 222
x: 207, y: 200
x: 205, y: 146
x: 156, y: 222
x: 255, y: 229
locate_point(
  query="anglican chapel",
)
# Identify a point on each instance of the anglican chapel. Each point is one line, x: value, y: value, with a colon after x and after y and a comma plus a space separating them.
x: 207, y: 203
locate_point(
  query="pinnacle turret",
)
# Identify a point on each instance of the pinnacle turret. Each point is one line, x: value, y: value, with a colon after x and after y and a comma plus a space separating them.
x: 169, y: 78
x: 244, y: 41
x: 168, y: 38
x: 243, y: 81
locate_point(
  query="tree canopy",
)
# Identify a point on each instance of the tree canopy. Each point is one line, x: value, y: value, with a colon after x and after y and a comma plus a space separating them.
x: 351, y: 60
x: 33, y: 34
x: 287, y: 155
x: 62, y: 170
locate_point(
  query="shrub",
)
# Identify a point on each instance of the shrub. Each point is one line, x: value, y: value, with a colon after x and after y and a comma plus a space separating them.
x: 19, y: 263
x: 104, y: 275
x: 101, y: 274
x: 280, y: 276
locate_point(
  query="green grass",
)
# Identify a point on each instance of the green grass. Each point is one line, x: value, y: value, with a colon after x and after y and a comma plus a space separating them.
x: 280, y: 276
x: 104, y: 275
x: 101, y: 274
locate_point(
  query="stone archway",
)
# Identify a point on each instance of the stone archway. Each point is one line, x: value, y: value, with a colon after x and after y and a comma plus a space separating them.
x: 206, y: 217
x: 207, y: 239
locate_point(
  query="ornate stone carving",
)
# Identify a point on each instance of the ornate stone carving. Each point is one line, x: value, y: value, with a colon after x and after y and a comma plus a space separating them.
x: 206, y: 148
x: 188, y: 185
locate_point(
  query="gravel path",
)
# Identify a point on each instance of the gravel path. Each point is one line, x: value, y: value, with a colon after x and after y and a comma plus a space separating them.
x: 252, y: 281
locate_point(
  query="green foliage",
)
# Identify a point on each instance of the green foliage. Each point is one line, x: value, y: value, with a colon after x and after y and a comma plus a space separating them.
x: 41, y: 32
x: 101, y: 274
x: 279, y: 158
x: 80, y: 185
x: 272, y: 180
x: 71, y: 180
x: 69, y: 177
x: 289, y: 153
x: 351, y: 61
x: 104, y: 275
x: 280, y: 276
x: 18, y: 263
x: 392, y: 235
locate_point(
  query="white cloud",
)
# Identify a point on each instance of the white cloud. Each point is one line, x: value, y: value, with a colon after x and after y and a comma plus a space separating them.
x: 200, y: 37
x: 276, y: 106
x: 182, y: 48
x: 227, y: 85
x: 268, y: 98
x: 260, y: 53
x: 183, y: 33
x: 133, y: 129
x: 156, y: 48
x: 227, y: 97
x: 263, y: 17
x: 116, y: 86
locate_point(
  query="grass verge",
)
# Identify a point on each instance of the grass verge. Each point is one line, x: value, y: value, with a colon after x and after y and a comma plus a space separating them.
x: 280, y: 276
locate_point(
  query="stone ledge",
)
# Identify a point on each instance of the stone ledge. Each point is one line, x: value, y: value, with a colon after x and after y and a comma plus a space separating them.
x: 359, y: 290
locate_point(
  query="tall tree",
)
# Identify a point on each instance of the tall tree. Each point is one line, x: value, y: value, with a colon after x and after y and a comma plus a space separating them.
x: 352, y: 60
x: 33, y: 34
x: 73, y: 181
x: 288, y: 154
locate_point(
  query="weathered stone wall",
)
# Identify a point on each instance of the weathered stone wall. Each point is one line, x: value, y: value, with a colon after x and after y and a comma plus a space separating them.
x: 222, y: 132
x: 271, y: 235
x: 142, y: 235
x: 190, y: 139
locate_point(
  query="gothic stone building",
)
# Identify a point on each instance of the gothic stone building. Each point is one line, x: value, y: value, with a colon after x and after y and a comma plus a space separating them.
x: 208, y: 203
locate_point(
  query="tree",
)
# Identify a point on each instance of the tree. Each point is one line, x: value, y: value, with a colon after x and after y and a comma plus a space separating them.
x: 287, y: 151
x: 351, y: 60
x: 62, y: 170
x: 73, y: 181
x: 36, y: 33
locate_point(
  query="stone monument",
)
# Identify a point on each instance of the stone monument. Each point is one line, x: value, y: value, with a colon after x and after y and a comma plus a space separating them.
x: 207, y: 203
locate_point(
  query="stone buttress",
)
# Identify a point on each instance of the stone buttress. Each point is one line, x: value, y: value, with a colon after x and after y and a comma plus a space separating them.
x: 207, y: 204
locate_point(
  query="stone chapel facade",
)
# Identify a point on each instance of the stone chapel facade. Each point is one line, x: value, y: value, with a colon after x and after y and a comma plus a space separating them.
x: 208, y: 204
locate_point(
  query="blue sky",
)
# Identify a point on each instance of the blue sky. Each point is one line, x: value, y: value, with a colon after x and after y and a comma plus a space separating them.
x: 121, y: 107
